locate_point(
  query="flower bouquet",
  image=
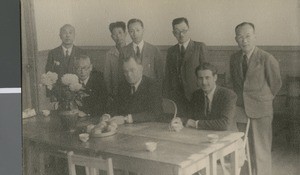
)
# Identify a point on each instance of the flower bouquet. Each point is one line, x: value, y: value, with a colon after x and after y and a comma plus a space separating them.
x: 68, y: 93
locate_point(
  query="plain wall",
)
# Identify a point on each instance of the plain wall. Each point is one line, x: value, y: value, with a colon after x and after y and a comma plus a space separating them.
x: 211, y: 21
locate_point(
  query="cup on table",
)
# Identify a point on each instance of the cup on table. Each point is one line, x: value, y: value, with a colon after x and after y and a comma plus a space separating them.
x: 151, y: 146
x: 45, y: 112
x: 84, y: 137
x: 212, y: 138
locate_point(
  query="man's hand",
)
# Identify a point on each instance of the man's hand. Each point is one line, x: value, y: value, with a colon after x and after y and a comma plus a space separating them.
x: 191, y: 123
x: 128, y: 118
x: 120, y: 120
x: 82, y: 114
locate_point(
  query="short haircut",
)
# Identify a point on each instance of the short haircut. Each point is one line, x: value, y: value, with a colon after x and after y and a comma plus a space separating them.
x: 206, y: 66
x: 126, y: 59
x: 134, y: 20
x: 243, y: 24
x: 82, y: 57
x: 64, y: 26
x: 118, y: 24
x: 180, y: 20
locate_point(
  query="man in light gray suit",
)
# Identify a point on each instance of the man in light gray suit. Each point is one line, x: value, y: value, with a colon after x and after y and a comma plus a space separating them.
x: 256, y: 80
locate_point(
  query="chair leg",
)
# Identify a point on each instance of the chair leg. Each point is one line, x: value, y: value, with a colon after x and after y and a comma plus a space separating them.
x: 225, y: 171
x: 248, y: 158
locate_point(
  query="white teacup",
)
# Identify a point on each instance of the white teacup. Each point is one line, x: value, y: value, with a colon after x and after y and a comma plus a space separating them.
x: 212, y: 138
x: 84, y: 137
x: 151, y: 146
x: 45, y: 112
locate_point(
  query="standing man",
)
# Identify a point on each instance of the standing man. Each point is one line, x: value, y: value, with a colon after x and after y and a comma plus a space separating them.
x: 113, y: 73
x: 93, y: 84
x: 149, y: 55
x: 61, y: 59
x: 182, y: 59
x: 256, y: 80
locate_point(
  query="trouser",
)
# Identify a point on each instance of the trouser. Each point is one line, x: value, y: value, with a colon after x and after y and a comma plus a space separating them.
x: 260, y: 140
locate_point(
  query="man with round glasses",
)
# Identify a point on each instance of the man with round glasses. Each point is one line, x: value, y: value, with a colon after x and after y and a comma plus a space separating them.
x: 182, y: 60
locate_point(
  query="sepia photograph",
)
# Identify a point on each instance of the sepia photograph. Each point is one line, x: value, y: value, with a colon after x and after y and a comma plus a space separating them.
x: 160, y: 87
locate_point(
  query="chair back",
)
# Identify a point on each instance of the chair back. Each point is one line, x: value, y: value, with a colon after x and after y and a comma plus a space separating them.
x: 169, y: 106
x: 92, y: 164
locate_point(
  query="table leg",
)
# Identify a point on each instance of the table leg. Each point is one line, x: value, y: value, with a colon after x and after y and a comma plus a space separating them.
x: 213, y: 164
x: 234, y: 163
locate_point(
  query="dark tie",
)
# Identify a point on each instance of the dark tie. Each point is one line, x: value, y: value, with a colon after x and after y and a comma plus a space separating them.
x: 67, y: 53
x: 182, y: 51
x: 138, y: 52
x: 206, y: 105
x: 245, y: 66
x: 132, y: 90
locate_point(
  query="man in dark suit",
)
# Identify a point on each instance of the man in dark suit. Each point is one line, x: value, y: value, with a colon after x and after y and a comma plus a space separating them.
x: 61, y: 59
x: 149, y: 55
x: 256, y: 80
x: 182, y: 59
x: 211, y: 107
x: 92, y: 82
x: 139, y: 98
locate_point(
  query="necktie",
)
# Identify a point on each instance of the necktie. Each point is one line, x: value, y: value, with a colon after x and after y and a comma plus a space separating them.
x: 206, y: 105
x: 245, y: 66
x: 67, y: 53
x: 182, y: 51
x: 138, y: 52
x: 132, y: 90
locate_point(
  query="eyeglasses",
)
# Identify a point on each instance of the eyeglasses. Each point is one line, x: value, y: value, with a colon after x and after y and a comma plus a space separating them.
x: 177, y: 32
x: 82, y: 68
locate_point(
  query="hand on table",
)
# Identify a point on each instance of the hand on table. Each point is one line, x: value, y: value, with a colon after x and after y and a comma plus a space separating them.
x: 120, y: 120
x: 191, y: 123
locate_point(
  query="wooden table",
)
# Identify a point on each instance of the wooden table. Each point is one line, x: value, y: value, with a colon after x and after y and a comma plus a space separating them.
x: 184, y: 152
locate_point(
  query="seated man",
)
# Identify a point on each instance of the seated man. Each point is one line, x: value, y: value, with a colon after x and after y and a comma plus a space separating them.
x: 211, y: 107
x: 93, y: 84
x: 139, y: 98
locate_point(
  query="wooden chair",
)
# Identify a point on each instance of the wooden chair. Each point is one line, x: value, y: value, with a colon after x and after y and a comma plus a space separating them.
x: 169, y: 106
x: 92, y: 164
x: 247, y: 151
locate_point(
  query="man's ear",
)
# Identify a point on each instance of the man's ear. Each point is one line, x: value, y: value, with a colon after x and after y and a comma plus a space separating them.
x: 215, y: 77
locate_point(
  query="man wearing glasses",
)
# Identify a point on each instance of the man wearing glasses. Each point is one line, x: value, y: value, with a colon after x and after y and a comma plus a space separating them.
x: 92, y: 82
x: 182, y: 60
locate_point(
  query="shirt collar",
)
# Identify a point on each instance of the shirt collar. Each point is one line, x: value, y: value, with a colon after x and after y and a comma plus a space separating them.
x: 249, y: 54
x: 69, y: 50
x: 140, y: 45
x: 85, y: 81
x: 185, y: 44
x: 210, y: 95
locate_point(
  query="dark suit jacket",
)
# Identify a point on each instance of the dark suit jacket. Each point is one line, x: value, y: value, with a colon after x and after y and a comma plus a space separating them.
x: 151, y: 60
x: 222, y: 114
x: 57, y: 62
x: 262, y: 82
x: 95, y: 103
x: 181, y: 89
x: 144, y: 105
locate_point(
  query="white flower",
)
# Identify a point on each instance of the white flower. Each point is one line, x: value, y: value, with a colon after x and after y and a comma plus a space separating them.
x: 69, y: 79
x: 57, y: 63
x: 49, y: 79
x: 75, y: 87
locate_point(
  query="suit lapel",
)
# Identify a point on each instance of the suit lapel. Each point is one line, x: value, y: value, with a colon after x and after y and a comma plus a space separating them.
x: 189, y: 51
x: 253, y: 61
x: 215, y: 99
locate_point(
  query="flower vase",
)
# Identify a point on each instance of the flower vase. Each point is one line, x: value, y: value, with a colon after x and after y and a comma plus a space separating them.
x: 69, y: 118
